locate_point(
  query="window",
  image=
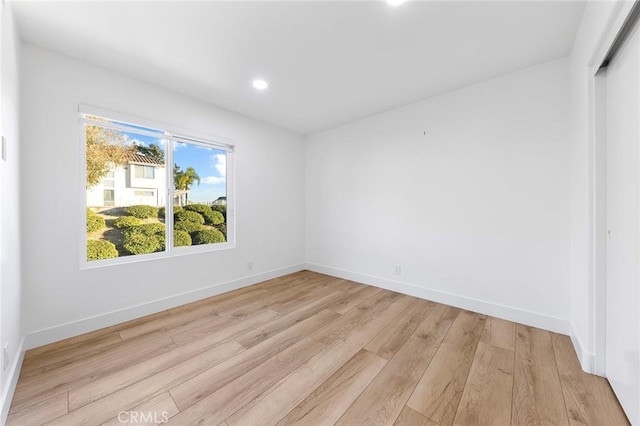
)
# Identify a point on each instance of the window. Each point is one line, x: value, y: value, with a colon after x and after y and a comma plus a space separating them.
x: 109, y: 197
x: 145, y: 172
x: 159, y: 211
x: 108, y: 181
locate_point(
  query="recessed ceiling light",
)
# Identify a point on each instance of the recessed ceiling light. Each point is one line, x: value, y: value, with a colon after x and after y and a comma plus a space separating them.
x: 395, y: 2
x: 260, y: 84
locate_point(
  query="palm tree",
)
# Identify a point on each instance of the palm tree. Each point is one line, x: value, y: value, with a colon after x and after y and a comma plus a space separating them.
x: 184, y: 179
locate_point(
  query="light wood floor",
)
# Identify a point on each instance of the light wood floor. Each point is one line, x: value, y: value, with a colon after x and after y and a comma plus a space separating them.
x: 313, y: 350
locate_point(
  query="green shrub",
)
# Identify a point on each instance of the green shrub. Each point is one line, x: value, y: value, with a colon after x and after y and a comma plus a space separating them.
x: 189, y: 216
x: 100, y: 249
x: 200, y: 208
x: 95, y: 223
x: 223, y: 228
x: 141, y: 211
x: 145, y: 238
x: 207, y: 236
x: 136, y: 243
x: 187, y: 226
x: 161, y: 211
x: 90, y: 212
x: 222, y: 208
x: 181, y: 238
x: 126, y: 222
x: 213, y: 218
x: 152, y: 228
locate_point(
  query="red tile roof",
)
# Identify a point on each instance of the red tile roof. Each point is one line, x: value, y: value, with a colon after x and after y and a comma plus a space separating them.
x: 134, y: 157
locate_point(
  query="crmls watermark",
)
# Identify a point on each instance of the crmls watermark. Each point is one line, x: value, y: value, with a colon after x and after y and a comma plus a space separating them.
x: 143, y: 417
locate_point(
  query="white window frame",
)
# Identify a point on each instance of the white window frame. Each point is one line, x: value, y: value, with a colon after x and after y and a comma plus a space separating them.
x: 172, y: 134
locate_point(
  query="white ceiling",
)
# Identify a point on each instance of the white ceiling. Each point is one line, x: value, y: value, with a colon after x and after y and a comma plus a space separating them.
x: 327, y: 63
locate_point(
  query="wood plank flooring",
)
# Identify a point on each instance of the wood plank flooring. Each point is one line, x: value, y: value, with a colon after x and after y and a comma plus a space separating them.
x: 311, y: 349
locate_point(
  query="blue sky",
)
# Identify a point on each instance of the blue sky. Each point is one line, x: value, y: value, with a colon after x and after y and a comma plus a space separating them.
x: 211, y: 166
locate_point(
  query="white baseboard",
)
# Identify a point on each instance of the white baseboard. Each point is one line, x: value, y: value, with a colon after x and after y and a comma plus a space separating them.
x: 10, y: 387
x: 75, y: 328
x: 586, y: 358
x: 534, y: 319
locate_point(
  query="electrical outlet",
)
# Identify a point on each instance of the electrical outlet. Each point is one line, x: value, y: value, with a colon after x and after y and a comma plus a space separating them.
x: 5, y: 356
x: 397, y: 270
x: 250, y: 265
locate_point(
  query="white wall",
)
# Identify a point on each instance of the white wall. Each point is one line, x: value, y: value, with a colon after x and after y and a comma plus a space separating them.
x: 468, y: 192
x: 62, y: 300
x: 600, y: 23
x: 10, y: 288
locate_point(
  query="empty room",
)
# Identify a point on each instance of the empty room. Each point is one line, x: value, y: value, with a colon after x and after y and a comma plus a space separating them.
x: 367, y: 212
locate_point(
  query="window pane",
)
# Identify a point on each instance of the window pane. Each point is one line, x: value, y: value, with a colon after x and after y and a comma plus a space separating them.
x: 123, y: 209
x: 200, y: 194
x: 144, y: 172
x: 108, y: 197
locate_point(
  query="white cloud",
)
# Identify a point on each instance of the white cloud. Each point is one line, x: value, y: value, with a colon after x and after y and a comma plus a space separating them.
x: 130, y: 140
x: 178, y: 145
x: 213, y: 180
x: 220, y: 164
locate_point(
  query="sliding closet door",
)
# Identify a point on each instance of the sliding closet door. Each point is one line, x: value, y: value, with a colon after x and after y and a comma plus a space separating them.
x: 623, y: 226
